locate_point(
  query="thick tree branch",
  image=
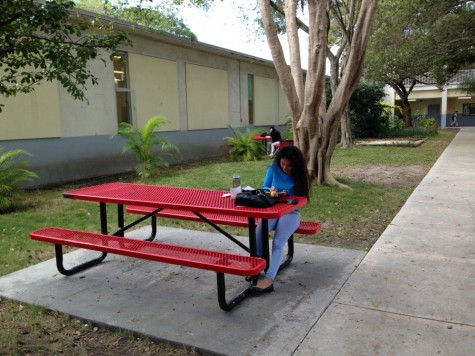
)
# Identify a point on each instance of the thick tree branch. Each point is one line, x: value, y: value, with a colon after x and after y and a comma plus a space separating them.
x: 300, y: 24
x: 285, y: 76
x: 12, y: 19
x: 294, y: 47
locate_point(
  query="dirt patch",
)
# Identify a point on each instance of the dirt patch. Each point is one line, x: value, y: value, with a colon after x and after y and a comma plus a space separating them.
x: 391, y: 176
x: 34, y: 330
x: 363, y: 234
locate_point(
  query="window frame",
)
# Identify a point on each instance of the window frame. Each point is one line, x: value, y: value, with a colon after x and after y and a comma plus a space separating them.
x: 123, y: 70
x: 250, y: 98
x: 468, y: 109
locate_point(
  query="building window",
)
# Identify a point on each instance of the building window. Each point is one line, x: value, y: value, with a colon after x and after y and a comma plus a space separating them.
x: 250, y: 97
x: 122, y: 91
x: 469, y: 109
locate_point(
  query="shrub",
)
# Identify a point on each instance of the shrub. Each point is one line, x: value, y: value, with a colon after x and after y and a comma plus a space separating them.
x: 413, y: 132
x: 423, y: 126
x: 396, y: 123
x: 243, y: 147
x: 142, y: 142
x: 12, y: 173
x: 423, y: 121
x: 368, y: 118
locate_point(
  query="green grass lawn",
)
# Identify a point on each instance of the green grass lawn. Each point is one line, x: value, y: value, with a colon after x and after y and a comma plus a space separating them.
x: 351, y: 218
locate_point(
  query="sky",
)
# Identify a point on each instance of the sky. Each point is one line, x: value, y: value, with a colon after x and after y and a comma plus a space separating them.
x: 221, y: 27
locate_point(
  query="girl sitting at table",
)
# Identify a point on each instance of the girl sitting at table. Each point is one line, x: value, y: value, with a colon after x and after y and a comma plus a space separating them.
x: 288, y: 176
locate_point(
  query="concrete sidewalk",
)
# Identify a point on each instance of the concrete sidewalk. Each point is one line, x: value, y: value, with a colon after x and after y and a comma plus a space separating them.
x: 412, y: 294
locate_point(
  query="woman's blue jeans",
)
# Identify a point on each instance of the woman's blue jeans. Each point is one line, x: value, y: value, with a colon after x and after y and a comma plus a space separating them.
x: 284, y: 227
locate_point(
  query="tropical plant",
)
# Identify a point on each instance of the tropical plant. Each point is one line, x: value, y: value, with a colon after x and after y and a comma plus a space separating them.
x: 243, y: 147
x: 12, y: 173
x: 142, y: 142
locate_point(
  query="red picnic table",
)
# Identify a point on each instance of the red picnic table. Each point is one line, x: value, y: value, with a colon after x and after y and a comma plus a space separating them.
x: 262, y: 138
x: 282, y: 143
x: 198, y: 201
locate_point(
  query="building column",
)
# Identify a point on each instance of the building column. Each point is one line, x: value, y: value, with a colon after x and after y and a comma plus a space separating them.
x: 443, y: 108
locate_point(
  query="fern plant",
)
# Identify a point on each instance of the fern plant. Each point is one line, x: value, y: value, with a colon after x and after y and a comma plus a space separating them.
x: 142, y: 141
x: 12, y: 173
x: 243, y: 147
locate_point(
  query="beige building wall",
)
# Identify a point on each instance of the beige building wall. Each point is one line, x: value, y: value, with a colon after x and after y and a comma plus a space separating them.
x: 419, y: 107
x: 424, y: 94
x: 33, y: 115
x: 201, y: 89
x: 265, y: 101
x: 206, y: 97
x: 97, y: 114
x: 284, y: 110
x: 154, y: 82
x: 192, y: 89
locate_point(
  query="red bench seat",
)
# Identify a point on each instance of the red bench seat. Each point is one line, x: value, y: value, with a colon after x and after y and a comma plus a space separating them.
x: 219, y: 262
x: 306, y: 227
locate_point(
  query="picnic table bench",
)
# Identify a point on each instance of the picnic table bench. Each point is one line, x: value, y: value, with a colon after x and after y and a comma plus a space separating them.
x: 306, y: 227
x: 220, y: 262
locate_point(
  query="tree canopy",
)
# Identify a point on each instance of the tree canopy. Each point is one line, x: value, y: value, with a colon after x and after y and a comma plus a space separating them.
x: 419, y: 41
x: 157, y: 17
x: 46, y: 41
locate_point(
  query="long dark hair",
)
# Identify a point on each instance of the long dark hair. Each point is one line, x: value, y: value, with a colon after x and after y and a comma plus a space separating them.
x: 299, y: 168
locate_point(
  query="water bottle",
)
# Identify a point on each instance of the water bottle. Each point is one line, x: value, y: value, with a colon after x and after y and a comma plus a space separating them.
x: 236, y: 186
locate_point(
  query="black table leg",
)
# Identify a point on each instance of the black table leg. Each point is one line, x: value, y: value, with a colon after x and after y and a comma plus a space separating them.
x: 252, y: 236
x: 103, y: 212
x: 120, y: 219
x: 265, y: 241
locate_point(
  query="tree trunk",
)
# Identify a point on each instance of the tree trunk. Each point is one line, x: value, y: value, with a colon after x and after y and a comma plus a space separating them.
x: 346, y: 135
x: 404, y: 93
x: 407, y: 111
x: 315, y: 127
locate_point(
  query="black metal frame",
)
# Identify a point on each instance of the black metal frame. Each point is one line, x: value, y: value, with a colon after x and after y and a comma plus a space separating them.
x: 220, y: 280
x: 221, y: 284
x: 252, y: 237
x: 222, y: 293
x: 68, y: 272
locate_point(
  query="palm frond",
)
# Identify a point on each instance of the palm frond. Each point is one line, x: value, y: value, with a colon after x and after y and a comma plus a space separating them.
x: 12, y: 173
x: 243, y: 147
x: 142, y: 141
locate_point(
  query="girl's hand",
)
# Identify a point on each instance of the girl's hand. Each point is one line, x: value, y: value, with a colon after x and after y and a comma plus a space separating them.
x: 284, y: 193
